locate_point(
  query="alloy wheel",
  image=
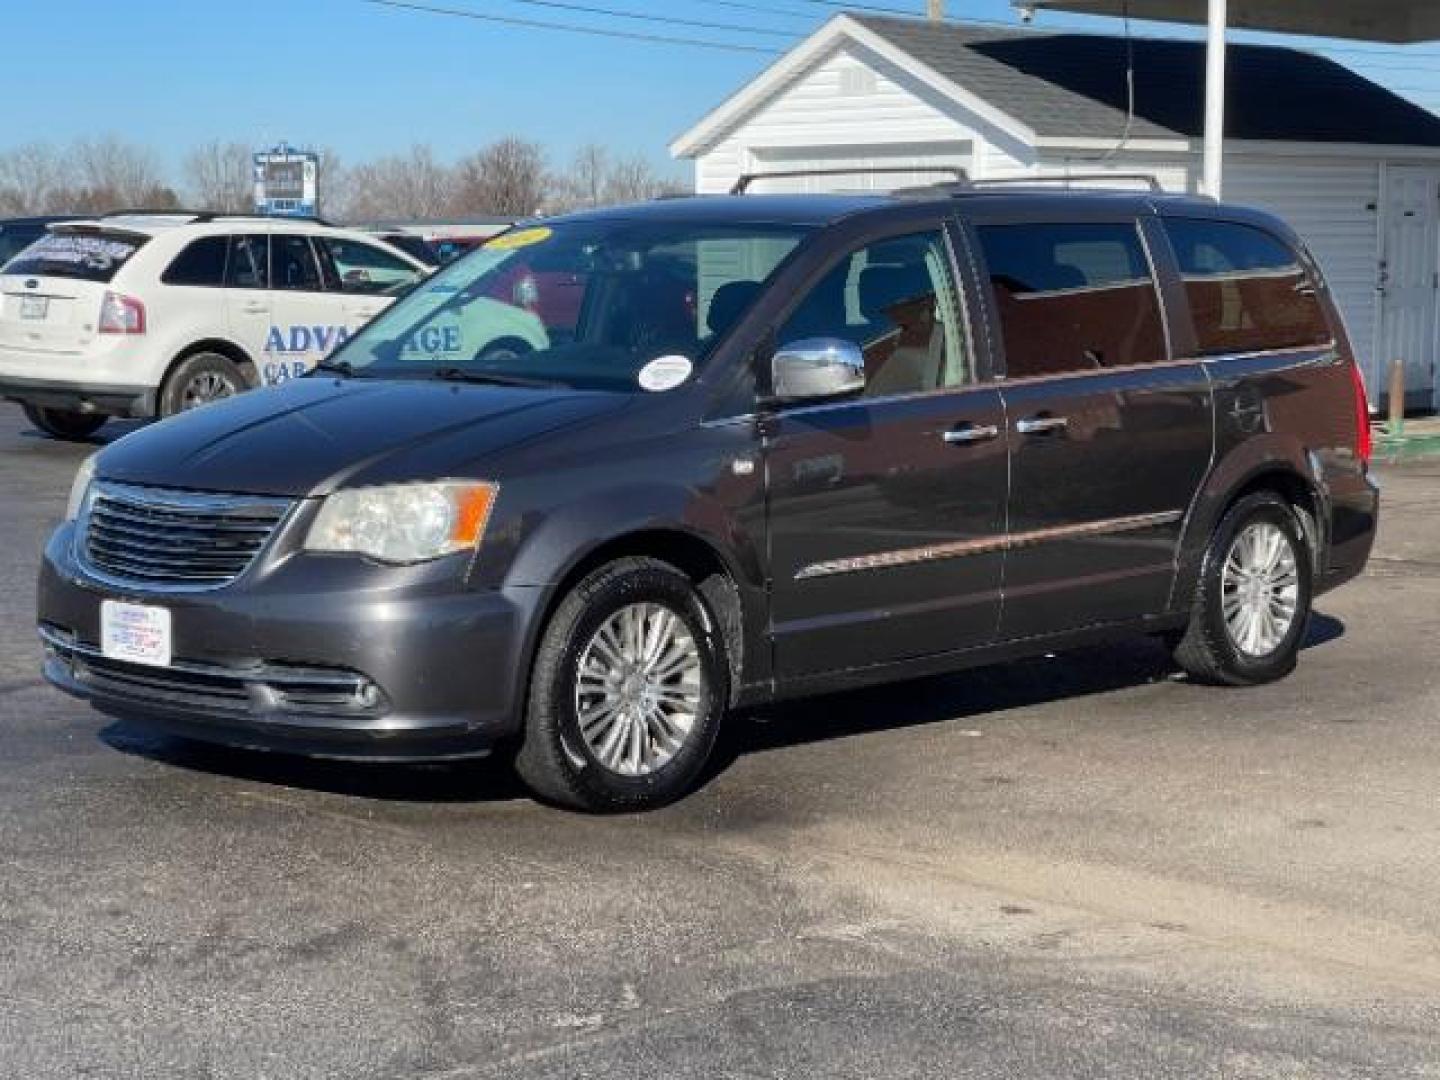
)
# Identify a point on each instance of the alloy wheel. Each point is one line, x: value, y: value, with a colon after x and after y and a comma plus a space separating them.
x: 205, y: 387
x: 1260, y: 589
x: 638, y: 689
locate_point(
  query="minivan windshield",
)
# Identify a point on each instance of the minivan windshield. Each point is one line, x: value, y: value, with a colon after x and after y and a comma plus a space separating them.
x: 589, y: 304
x: 88, y: 256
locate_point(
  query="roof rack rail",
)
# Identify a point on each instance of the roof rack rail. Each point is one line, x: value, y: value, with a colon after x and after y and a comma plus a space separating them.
x: 742, y: 185
x: 141, y: 211
x: 1151, y: 183
x: 201, y: 216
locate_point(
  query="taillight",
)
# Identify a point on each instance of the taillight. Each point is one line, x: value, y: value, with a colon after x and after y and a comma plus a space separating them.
x: 121, y: 315
x: 1364, y: 441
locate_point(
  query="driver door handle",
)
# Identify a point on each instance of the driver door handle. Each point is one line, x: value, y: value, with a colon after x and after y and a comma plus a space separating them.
x: 967, y: 434
x: 1042, y: 425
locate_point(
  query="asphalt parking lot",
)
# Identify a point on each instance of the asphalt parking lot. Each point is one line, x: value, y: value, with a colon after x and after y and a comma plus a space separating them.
x: 1079, y: 866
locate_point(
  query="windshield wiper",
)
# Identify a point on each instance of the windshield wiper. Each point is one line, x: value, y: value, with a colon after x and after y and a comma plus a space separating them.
x: 490, y: 378
x: 343, y: 368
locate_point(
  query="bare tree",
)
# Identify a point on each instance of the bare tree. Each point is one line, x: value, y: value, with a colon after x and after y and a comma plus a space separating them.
x: 596, y: 179
x: 334, y: 183
x: 584, y: 184
x: 220, y: 176
x: 507, y: 177
x: 416, y: 186
x: 634, y: 179
x: 32, y: 179
x: 109, y: 174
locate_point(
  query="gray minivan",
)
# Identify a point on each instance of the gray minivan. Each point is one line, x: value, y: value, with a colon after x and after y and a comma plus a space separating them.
x: 771, y: 446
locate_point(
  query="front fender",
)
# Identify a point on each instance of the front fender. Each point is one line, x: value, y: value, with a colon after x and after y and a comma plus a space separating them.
x: 570, y: 534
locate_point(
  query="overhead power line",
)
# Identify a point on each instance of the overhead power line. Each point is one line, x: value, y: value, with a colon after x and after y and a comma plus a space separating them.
x: 570, y: 28
x: 743, y: 5
x: 914, y: 10
x: 669, y: 20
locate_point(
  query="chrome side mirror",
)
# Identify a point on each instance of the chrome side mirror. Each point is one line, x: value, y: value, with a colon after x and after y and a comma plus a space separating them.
x: 816, y: 369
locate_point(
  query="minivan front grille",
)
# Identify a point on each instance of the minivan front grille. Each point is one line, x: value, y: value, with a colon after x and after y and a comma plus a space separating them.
x: 159, y: 539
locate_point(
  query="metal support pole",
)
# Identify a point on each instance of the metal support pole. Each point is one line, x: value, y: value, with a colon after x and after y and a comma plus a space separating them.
x: 1215, y: 100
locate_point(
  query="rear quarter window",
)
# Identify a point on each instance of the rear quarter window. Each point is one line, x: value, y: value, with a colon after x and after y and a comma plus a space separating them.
x: 84, y: 256
x: 14, y: 240
x: 1073, y: 297
x: 1249, y: 292
x: 201, y: 263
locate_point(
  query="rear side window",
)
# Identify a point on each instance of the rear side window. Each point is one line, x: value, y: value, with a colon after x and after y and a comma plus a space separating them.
x: 1072, y: 298
x: 201, y: 263
x: 88, y: 256
x: 249, y: 266
x: 293, y: 265
x: 1248, y: 291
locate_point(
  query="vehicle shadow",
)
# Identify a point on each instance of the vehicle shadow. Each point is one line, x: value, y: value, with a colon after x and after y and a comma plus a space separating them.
x: 983, y: 691
x: 112, y: 431
x: 940, y: 699
x: 475, y: 780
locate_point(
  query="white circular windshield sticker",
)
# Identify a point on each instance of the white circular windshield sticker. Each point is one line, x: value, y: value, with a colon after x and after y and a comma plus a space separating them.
x: 665, y: 373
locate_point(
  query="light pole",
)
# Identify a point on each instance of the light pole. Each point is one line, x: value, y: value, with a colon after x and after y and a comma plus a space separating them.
x: 1215, y: 101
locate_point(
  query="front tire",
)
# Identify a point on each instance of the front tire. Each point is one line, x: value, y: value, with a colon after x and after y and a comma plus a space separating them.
x: 64, y: 423
x: 1252, y: 606
x: 627, y: 692
x: 199, y: 380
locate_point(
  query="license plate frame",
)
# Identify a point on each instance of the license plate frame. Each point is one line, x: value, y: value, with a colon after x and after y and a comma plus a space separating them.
x: 34, y: 308
x: 136, y: 633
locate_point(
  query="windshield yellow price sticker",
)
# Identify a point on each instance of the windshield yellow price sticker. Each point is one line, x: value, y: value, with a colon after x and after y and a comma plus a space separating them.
x: 522, y: 238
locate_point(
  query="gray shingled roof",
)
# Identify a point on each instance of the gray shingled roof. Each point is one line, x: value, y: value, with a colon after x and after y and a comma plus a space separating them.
x: 1074, y: 85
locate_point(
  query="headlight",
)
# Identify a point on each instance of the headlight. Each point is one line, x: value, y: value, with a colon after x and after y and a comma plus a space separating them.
x: 81, y: 485
x: 404, y: 523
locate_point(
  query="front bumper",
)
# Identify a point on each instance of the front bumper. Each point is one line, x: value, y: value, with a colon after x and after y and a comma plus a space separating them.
x: 100, y: 399
x: 322, y: 656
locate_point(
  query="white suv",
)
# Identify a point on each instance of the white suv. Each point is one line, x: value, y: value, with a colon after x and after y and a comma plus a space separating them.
x: 150, y: 314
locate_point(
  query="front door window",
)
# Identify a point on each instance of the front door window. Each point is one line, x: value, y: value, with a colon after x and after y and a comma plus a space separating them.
x: 895, y: 300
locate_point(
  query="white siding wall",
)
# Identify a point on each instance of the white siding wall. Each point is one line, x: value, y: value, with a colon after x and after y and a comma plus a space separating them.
x: 851, y: 109
x: 1175, y: 171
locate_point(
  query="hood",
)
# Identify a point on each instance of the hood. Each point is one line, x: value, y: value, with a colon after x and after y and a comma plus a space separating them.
x: 313, y: 435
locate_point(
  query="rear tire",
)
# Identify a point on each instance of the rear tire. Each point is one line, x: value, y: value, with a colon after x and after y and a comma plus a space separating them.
x: 1252, y: 605
x: 64, y: 423
x: 594, y: 685
x: 199, y: 380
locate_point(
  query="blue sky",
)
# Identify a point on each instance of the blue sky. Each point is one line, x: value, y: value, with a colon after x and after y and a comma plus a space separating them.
x: 367, y: 80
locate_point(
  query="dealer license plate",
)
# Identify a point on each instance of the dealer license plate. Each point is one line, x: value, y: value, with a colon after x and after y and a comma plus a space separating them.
x: 135, y: 633
x: 34, y: 307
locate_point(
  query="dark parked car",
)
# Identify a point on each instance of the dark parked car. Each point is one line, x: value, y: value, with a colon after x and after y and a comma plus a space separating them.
x: 16, y: 234
x: 890, y: 436
x: 416, y: 247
